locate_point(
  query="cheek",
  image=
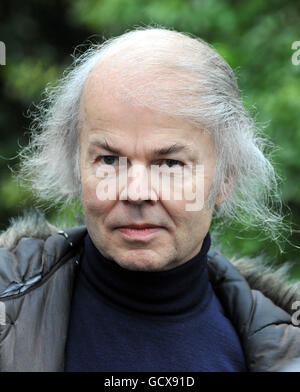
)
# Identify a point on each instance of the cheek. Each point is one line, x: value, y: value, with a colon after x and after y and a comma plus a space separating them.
x: 91, y: 202
x: 188, y: 226
x: 176, y: 210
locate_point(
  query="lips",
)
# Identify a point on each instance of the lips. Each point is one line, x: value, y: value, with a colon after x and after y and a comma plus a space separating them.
x: 140, y: 231
x: 139, y: 226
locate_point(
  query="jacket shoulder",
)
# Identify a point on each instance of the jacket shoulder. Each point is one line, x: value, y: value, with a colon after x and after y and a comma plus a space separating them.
x: 29, y: 249
x: 272, y: 281
x: 273, y: 338
x: 270, y: 338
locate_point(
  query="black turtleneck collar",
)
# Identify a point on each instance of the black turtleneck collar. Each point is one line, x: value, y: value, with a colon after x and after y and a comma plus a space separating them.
x: 178, y: 291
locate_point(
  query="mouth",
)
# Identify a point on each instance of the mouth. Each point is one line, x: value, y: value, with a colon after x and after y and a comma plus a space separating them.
x: 139, y: 231
x: 140, y: 226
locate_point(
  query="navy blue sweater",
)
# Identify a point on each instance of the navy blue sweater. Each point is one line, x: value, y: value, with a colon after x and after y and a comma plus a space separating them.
x: 123, y: 320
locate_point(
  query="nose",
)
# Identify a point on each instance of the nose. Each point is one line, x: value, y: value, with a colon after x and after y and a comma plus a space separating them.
x: 139, y: 187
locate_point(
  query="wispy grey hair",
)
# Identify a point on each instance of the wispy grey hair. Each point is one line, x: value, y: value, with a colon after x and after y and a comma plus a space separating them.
x: 182, y: 76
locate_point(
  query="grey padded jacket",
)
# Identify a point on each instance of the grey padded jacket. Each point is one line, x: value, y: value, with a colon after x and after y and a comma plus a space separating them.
x: 37, y: 270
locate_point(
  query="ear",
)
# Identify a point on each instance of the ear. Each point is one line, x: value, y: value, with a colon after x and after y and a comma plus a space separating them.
x: 229, y: 184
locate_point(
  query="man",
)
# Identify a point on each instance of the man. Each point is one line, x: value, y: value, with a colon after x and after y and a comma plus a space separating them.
x: 148, y: 130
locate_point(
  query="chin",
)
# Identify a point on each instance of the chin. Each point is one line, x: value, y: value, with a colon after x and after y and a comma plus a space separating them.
x: 141, y: 261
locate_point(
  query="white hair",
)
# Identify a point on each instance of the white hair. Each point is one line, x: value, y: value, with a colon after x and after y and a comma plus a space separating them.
x: 182, y: 76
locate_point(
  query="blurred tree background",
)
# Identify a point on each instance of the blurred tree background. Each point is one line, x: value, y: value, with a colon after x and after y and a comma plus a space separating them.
x: 255, y: 38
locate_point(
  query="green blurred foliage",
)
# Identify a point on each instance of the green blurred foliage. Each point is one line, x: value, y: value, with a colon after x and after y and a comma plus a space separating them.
x: 255, y: 38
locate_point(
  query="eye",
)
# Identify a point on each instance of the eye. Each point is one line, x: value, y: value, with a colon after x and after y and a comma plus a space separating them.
x: 172, y: 162
x: 107, y: 159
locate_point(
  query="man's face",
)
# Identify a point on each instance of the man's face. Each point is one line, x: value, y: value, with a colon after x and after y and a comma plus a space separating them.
x: 137, y: 132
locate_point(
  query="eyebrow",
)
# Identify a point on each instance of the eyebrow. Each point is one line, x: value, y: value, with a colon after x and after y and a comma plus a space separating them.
x: 174, y: 148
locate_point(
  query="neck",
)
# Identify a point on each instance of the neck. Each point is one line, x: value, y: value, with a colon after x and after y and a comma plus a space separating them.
x: 180, y: 290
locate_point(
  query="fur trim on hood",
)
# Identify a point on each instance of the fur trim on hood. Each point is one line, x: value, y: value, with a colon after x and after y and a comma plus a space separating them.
x: 32, y: 225
x: 273, y: 282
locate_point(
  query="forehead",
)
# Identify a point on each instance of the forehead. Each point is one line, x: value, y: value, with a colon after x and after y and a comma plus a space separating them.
x: 107, y: 101
x: 106, y: 110
x: 116, y: 81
